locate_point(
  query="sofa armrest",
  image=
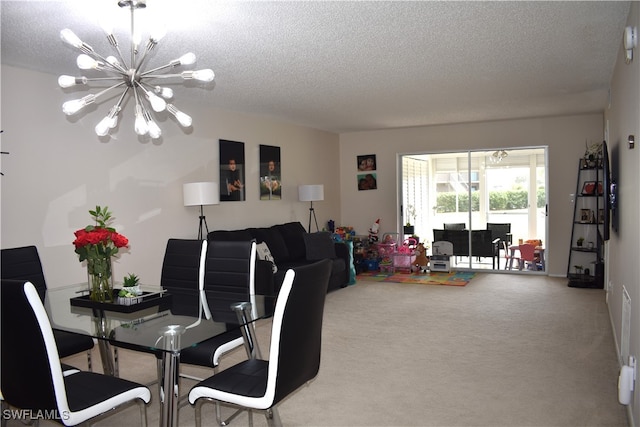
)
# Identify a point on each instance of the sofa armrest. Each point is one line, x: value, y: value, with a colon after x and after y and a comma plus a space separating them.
x: 342, y: 251
x: 264, y: 277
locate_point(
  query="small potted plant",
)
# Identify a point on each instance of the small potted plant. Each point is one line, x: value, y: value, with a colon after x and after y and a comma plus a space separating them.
x: 578, y: 269
x: 580, y: 241
x: 409, y: 229
x: 130, y: 292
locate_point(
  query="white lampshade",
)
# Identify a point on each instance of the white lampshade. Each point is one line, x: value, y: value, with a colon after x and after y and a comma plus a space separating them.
x: 201, y: 193
x: 311, y: 193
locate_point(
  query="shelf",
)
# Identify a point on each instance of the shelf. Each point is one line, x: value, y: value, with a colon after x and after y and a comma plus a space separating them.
x: 584, y: 282
x: 583, y: 249
x: 587, y: 207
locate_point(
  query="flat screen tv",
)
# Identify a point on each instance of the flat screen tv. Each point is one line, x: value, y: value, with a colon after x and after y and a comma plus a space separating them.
x: 606, y: 172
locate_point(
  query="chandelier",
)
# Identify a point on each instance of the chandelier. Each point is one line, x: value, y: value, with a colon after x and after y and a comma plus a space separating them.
x: 498, y: 156
x: 131, y: 77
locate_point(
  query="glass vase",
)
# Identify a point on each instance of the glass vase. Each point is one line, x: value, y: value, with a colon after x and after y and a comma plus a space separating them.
x: 100, y: 279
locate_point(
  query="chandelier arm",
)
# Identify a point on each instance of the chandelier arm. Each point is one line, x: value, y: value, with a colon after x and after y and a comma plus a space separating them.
x: 96, y: 79
x: 150, y: 45
x: 105, y: 62
x: 114, y: 43
x: 204, y: 75
x: 170, y: 64
x: 102, y: 92
x: 163, y: 76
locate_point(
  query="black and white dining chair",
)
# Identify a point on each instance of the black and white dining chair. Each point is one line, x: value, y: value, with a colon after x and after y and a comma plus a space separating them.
x: 294, y: 353
x: 32, y: 376
x: 225, y: 274
x: 229, y: 277
x: 23, y: 263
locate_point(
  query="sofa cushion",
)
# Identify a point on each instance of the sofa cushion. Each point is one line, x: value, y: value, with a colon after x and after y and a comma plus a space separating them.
x: 274, y: 240
x: 292, y: 233
x: 230, y: 236
x: 319, y: 246
x: 263, y: 252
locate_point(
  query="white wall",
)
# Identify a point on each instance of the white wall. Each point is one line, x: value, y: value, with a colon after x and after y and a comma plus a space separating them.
x: 624, y: 246
x: 58, y: 169
x: 564, y: 136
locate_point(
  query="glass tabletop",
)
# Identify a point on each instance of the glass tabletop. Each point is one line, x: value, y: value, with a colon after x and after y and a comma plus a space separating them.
x: 175, y: 321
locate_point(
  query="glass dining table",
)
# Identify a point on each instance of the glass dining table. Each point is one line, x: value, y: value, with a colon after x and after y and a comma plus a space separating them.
x: 161, y: 322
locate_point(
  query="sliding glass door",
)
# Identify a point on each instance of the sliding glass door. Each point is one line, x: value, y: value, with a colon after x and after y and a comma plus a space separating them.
x: 475, y: 191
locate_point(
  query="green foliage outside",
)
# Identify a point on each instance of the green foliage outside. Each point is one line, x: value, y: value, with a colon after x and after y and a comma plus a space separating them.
x: 498, y: 201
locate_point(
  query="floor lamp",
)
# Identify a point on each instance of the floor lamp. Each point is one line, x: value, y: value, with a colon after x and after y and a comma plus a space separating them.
x: 201, y: 194
x: 311, y: 193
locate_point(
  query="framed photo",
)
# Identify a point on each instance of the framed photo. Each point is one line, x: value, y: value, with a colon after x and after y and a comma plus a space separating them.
x: 367, y: 162
x: 270, y: 174
x: 231, y: 171
x: 586, y: 215
x: 601, y: 216
x: 589, y: 187
x: 367, y: 181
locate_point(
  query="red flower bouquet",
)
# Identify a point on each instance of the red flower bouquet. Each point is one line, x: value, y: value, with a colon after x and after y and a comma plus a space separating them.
x: 97, y: 244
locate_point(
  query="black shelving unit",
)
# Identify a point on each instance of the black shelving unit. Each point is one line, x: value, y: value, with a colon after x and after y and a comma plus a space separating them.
x: 585, y: 268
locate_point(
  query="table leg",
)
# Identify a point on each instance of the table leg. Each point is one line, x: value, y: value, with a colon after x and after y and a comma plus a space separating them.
x: 103, y: 330
x: 170, y: 389
x: 245, y: 318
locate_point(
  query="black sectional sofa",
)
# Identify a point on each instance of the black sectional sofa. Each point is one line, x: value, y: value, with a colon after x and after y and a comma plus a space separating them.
x: 291, y: 246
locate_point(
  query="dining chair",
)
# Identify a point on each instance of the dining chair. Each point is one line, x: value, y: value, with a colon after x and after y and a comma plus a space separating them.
x: 500, y: 231
x: 294, y: 352
x: 34, y: 380
x: 23, y: 263
x: 228, y: 277
x: 455, y: 226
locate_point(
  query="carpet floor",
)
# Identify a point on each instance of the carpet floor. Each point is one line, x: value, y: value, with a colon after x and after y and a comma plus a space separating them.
x: 506, y: 350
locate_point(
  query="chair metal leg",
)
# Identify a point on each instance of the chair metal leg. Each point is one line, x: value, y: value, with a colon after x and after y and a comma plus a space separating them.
x: 198, y: 409
x: 116, y: 363
x: 143, y: 412
x: 273, y: 417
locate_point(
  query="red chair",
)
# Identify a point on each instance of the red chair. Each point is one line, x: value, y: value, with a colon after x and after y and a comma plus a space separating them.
x: 526, y: 255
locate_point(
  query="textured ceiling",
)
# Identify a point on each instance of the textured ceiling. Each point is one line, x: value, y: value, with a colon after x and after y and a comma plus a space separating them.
x: 350, y: 66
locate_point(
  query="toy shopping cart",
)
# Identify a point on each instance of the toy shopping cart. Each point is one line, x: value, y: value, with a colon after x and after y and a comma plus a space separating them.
x: 386, y: 248
x: 405, y: 256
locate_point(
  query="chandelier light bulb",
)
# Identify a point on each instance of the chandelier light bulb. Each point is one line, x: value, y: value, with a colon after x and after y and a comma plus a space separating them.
x: 165, y: 92
x: 85, y: 62
x: 154, y: 129
x: 184, y: 119
x: 70, y: 38
x: 158, y: 104
x: 205, y: 75
x: 107, y: 25
x: 136, y: 39
x: 140, y: 125
x: 187, y: 59
x: 114, y: 61
x: 75, y: 105
x: 68, y: 81
x: 157, y: 33
x: 104, y: 126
